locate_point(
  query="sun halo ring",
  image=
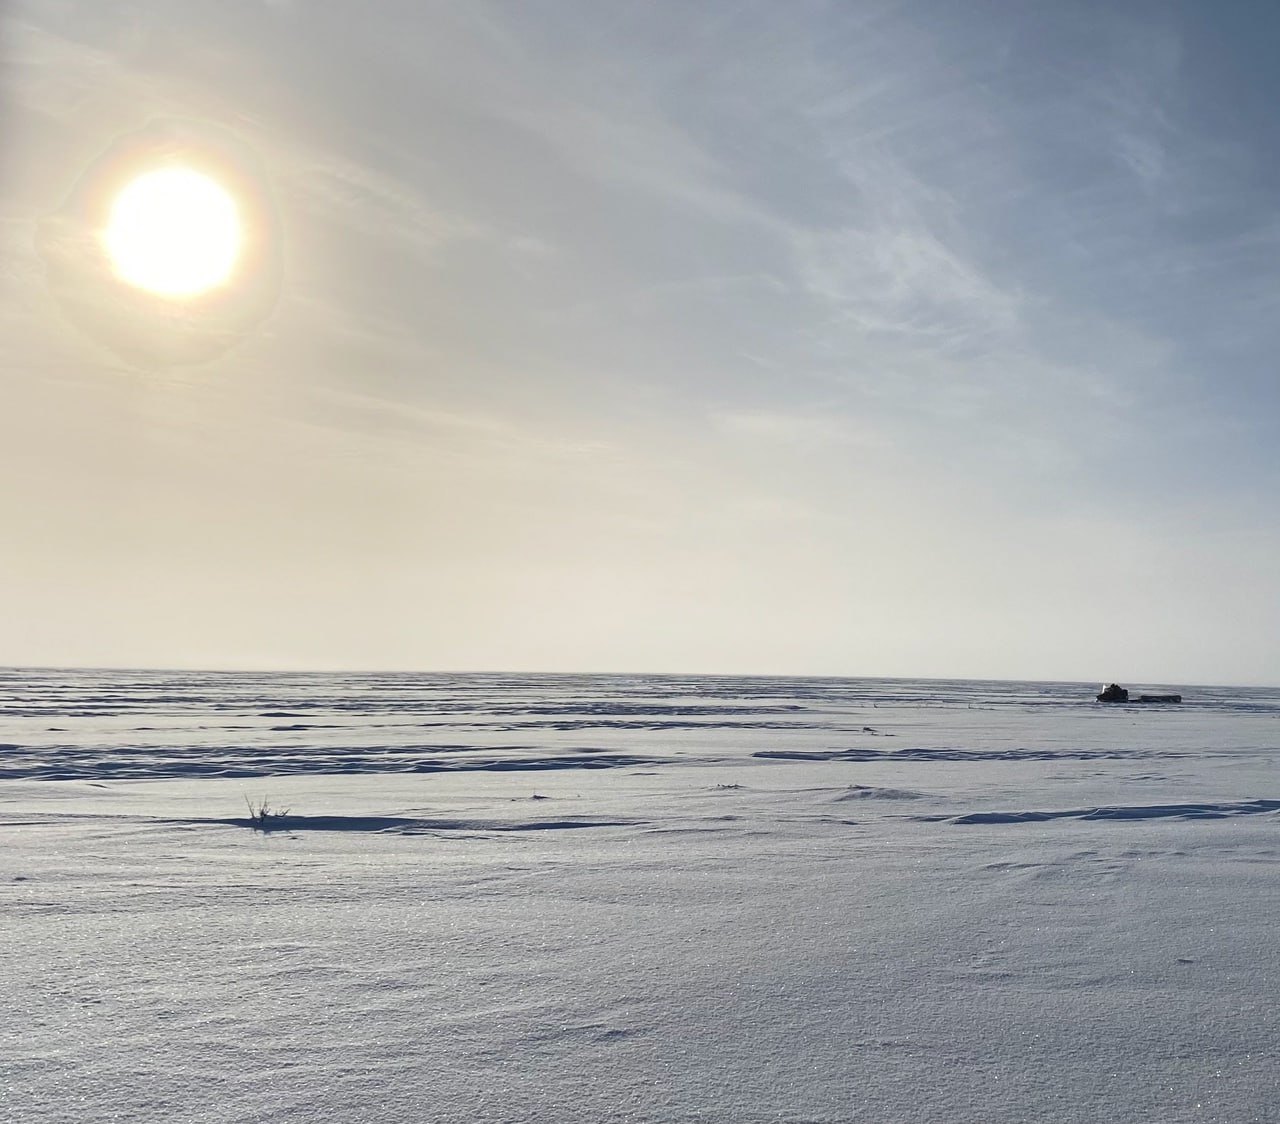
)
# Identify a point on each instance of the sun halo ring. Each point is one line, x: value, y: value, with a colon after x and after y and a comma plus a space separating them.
x: 181, y: 319
x: 132, y: 166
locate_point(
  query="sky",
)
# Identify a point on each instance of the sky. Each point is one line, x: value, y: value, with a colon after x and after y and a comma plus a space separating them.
x: 828, y: 337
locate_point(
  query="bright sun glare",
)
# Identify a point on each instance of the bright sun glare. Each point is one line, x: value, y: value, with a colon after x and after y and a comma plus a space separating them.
x: 174, y: 232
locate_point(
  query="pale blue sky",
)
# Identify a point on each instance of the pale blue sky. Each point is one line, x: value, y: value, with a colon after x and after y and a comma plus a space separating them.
x: 911, y: 338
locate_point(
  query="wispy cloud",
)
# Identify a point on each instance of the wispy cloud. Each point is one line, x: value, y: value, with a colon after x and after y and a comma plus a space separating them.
x: 780, y: 312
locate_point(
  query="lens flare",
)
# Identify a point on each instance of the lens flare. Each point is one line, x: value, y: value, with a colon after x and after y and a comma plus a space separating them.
x: 174, y: 232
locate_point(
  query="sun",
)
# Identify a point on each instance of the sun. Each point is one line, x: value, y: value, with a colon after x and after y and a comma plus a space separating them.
x: 174, y: 232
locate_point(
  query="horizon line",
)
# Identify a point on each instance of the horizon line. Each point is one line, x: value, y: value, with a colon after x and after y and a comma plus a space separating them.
x: 373, y: 671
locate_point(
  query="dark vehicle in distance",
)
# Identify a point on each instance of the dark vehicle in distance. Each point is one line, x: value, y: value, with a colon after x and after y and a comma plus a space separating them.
x: 1114, y: 693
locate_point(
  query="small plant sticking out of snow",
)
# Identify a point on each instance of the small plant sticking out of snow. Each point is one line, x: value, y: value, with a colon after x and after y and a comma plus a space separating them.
x: 263, y: 817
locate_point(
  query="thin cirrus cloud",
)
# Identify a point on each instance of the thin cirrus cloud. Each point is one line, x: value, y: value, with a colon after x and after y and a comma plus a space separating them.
x: 865, y: 338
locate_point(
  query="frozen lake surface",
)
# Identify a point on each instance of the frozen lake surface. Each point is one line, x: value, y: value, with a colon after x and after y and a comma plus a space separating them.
x: 650, y: 898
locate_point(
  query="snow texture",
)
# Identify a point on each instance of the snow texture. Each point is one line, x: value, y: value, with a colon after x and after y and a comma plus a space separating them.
x: 589, y: 899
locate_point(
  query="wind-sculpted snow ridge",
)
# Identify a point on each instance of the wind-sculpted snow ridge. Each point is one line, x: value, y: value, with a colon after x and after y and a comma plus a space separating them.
x: 655, y: 724
x: 407, y: 825
x: 927, y: 755
x: 870, y: 792
x: 1193, y: 811
x: 133, y: 763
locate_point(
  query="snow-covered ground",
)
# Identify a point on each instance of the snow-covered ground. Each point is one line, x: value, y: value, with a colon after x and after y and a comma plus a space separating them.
x: 515, y: 898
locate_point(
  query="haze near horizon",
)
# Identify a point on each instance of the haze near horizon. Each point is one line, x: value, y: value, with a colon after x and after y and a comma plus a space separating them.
x: 884, y: 339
